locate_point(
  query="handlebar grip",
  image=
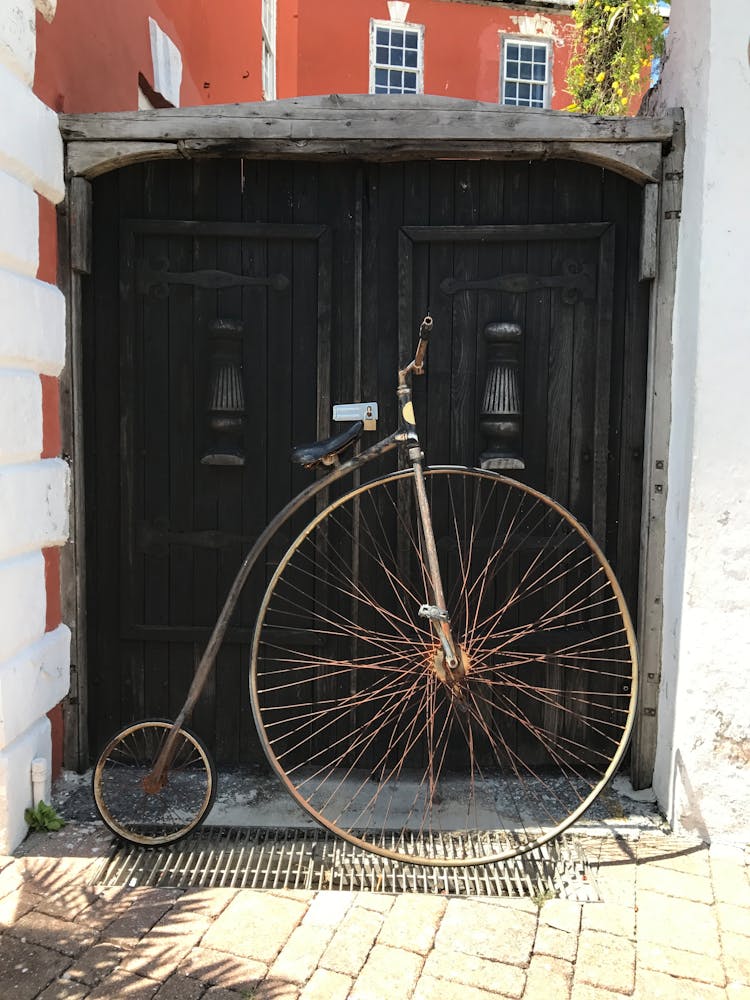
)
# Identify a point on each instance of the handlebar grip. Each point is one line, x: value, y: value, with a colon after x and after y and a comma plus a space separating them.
x: 424, y: 333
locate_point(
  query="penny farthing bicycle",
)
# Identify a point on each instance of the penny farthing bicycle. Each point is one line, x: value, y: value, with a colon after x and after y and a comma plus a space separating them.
x: 443, y: 668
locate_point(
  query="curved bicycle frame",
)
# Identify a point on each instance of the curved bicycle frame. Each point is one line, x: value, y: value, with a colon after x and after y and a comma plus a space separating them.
x: 407, y: 437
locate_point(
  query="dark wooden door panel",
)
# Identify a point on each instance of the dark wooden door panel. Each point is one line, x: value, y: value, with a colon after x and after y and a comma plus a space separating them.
x: 320, y: 274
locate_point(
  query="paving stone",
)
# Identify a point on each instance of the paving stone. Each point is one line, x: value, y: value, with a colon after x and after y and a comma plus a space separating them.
x: 500, y: 934
x: 549, y: 977
x: 15, y: 904
x: 255, y: 925
x: 163, y: 947
x: 729, y: 877
x: 69, y: 902
x: 270, y: 989
x: 327, y: 985
x: 328, y: 908
x: 96, y: 962
x: 143, y: 909
x: 736, y: 951
x: 582, y: 991
x: 674, y: 883
x: 206, y: 904
x: 479, y: 973
x: 11, y: 880
x: 564, y: 914
x: 388, y: 972
x: 557, y: 944
x: 381, y: 902
x: 51, y: 932
x: 659, y: 986
x: 677, y: 923
x: 218, y: 968
x: 605, y: 960
x: 675, y: 962
x: 124, y: 984
x: 738, y: 991
x: 352, y: 941
x: 64, y: 990
x: 299, y: 957
x: 613, y: 918
x: 219, y: 993
x: 440, y: 989
x: 692, y: 859
x: 26, y: 969
x: 179, y: 987
x: 732, y: 918
x: 413, y: 922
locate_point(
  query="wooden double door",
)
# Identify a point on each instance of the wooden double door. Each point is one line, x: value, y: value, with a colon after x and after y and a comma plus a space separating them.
x: 232, y: 302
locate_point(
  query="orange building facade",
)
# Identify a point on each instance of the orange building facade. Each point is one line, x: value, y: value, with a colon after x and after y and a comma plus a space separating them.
x: 87, y: 62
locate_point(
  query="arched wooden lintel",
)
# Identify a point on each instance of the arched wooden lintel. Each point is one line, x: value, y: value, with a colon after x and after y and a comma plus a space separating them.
x: 369, y: 128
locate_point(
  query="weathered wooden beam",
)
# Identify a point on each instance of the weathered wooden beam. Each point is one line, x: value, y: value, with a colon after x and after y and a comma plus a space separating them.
x: 347, y: 118
x: 639, y: 161
x: 89, y: 159
x: 655, y: 465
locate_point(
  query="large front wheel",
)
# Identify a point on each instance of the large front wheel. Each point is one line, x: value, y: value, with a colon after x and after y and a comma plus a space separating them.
x: 350, y: 693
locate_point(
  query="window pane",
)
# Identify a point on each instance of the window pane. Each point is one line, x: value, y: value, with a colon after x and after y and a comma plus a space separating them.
x: 510, y: 93
x: 395, y: 79
x: 381, y: 77
x: 381, y: 55
x: 540, y: 72
x: 411, y: 57
x: 537, y: 93
x: 540, y: 55
x: 410, y: 82
x: 527, y: 52
x: 525, y: 71
x: 524, y: 91
x: 397, y: 57
x: 511, y: 51
x: 397, y: 38
x: 512, y: 70
x: 412, y: 39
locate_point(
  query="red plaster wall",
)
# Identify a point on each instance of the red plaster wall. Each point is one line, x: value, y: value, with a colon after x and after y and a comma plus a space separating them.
x: 461, y: 44
x: 89, y: 57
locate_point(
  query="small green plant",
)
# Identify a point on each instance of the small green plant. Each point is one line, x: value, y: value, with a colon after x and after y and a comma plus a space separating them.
x: 542, y: 897
x: 614, y: 43
x: 43, y: 817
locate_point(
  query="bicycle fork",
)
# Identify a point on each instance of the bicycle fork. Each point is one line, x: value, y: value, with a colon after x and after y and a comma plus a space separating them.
x: 449, y: 663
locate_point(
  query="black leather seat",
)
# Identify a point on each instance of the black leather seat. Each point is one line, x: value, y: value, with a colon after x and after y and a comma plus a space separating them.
x: 311, y: 454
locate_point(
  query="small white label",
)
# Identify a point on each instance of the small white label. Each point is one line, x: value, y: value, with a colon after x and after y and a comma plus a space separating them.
x: 356, y: 411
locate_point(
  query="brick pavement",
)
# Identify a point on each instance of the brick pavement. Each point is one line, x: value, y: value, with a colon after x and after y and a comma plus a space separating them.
x: 673, y: 924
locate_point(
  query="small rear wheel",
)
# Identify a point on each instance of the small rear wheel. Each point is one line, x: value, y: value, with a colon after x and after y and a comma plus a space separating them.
x: 164, y: 816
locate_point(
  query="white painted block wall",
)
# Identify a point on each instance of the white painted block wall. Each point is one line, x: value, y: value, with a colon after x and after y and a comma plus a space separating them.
x: 702, y: 776
x: 34, y: 665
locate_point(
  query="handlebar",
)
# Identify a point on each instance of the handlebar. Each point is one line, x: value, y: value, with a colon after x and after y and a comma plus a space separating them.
x: 416, y: 366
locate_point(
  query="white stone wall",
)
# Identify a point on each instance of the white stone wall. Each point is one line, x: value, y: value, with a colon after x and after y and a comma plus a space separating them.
x: 34, y: 665
x: 702, y: 776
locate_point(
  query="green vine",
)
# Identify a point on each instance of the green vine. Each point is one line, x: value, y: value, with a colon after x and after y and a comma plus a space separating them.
x: 613, y: 46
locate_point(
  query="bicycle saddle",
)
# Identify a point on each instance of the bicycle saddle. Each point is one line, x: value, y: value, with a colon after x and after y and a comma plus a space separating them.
x: 323, y: 451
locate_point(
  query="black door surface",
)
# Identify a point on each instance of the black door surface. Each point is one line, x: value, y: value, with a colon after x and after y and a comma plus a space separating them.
x: 233, y: 302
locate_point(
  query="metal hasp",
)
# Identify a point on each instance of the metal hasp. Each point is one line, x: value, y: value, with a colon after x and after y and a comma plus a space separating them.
x: 226, y: 394
x: 500, y: 415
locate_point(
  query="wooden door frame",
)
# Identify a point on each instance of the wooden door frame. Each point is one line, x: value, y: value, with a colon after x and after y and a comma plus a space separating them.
x: 647, y: 150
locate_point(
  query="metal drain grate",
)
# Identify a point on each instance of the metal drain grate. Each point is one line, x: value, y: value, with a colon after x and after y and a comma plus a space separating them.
x: 260, y: 858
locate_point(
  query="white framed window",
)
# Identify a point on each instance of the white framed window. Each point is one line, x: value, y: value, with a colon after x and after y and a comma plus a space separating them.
x: 268, y: 29
x: 526, y: 73
x: 396, y: 58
